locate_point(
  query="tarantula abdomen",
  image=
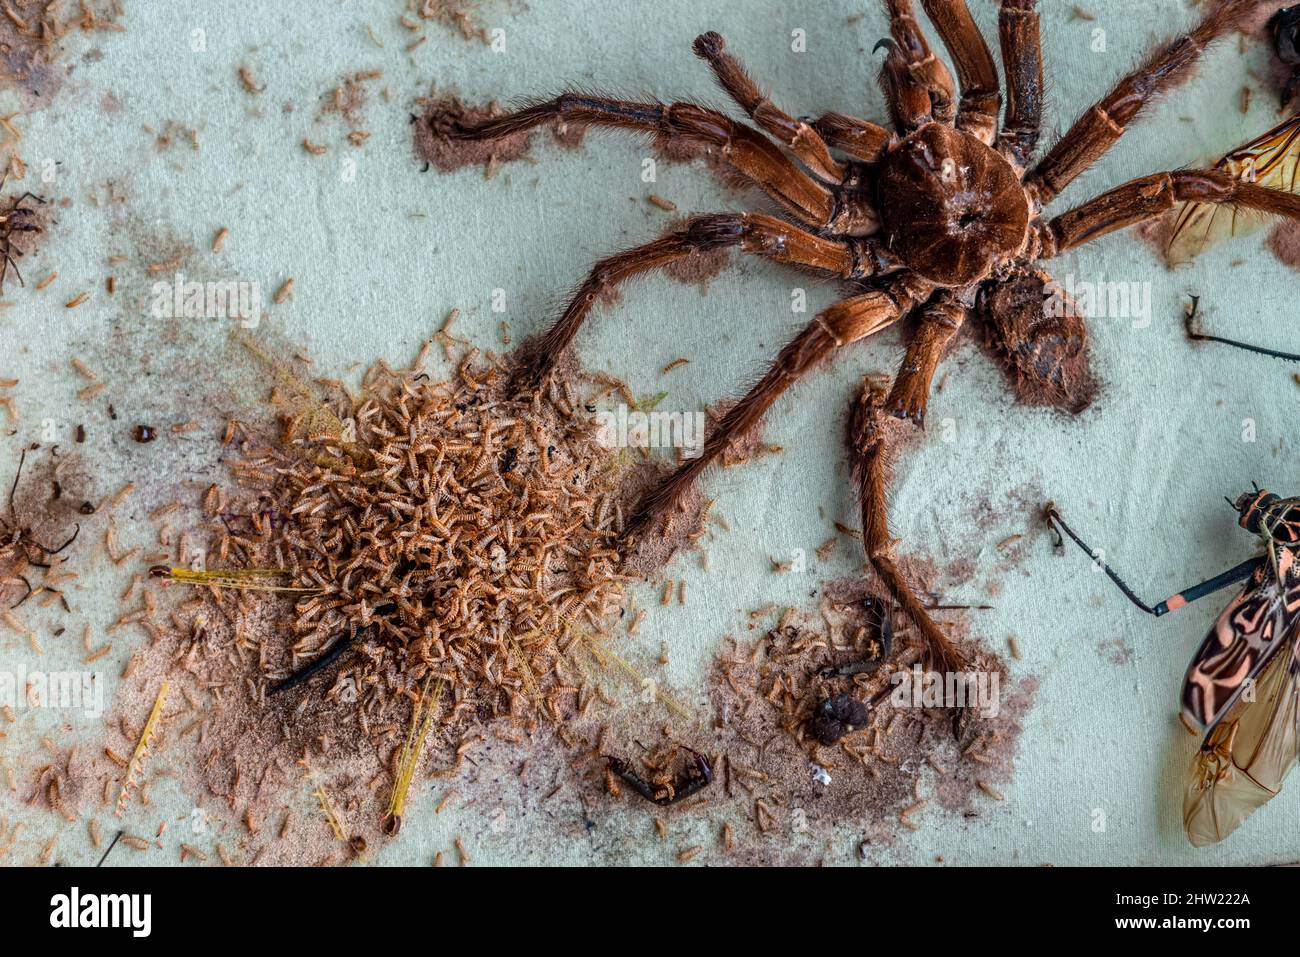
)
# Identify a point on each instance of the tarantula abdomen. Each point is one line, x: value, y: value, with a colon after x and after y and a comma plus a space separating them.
x: 955, y: 208
x: 1043, y: 337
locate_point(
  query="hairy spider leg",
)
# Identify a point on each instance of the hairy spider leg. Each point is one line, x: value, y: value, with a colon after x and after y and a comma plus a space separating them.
x: 855, y: 137
x: 804, y: 141
x: 1101, y: 127
x: 939, y: 321
x: 872, y: 454
x: 1020, y: 39
x: 753, y: 233
x: 1150, y: 197
x: 748, y: 151
x: 842, y: 324
x: 981, y: 99
x: 1174, y: 602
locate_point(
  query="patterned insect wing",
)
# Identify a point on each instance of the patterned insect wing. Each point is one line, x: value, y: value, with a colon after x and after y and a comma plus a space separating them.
x: 1272, y: 160
x: 1241, y: 642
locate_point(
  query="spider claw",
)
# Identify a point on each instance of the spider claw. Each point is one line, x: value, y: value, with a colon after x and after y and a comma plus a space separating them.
x: 709, y: 45
x: 887, y: 42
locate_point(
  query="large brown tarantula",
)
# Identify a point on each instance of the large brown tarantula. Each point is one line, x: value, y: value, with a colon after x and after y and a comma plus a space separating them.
x: 936, y: 220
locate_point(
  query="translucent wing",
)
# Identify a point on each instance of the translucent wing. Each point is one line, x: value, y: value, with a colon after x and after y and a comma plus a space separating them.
x: 1246, y: 757
x: 1271, y: 160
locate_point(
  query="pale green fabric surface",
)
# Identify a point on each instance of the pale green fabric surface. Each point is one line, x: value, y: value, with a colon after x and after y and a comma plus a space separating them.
x: 1144, y: 471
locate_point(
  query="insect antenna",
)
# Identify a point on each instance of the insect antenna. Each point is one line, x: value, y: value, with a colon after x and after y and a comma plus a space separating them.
x: 13, y: 489
x: 1194, y: 332
x: 1053, y: 516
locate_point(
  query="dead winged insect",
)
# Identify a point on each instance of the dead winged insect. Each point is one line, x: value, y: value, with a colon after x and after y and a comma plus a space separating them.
x: 1242, y: 689
x: 16, y: 540
x: 698, y: 776
x: 936, y: 217
x: 16, y: 219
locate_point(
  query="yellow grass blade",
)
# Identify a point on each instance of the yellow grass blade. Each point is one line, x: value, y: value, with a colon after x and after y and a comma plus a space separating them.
x: 422, y: 718
x: 141, y: 751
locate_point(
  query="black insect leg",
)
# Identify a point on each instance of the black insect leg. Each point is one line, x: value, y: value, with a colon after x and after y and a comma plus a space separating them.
x: 1174, y: 602
x: 320, y: 664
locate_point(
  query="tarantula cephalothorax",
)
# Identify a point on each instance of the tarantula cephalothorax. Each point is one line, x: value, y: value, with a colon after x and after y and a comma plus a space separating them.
x: 937, y: 219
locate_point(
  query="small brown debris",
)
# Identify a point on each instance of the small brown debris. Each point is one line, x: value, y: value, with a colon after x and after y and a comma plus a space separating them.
x: 250, y: 85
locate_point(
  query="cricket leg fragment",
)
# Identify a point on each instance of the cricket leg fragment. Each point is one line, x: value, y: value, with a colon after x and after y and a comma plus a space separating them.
x: 1192, y: 324
x: 336, y: 651
x: 699, y: 775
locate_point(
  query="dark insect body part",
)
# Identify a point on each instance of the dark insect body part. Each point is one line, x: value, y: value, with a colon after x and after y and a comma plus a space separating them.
x: 937, y: 218
x: 16, y: 541
x: 880, y: 634
x: 1242, y: 689
x: 305, y: 673
x: 1284, y: 28
x: 16, y: 219
x: 698, y: 776
x: 837, y: 716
